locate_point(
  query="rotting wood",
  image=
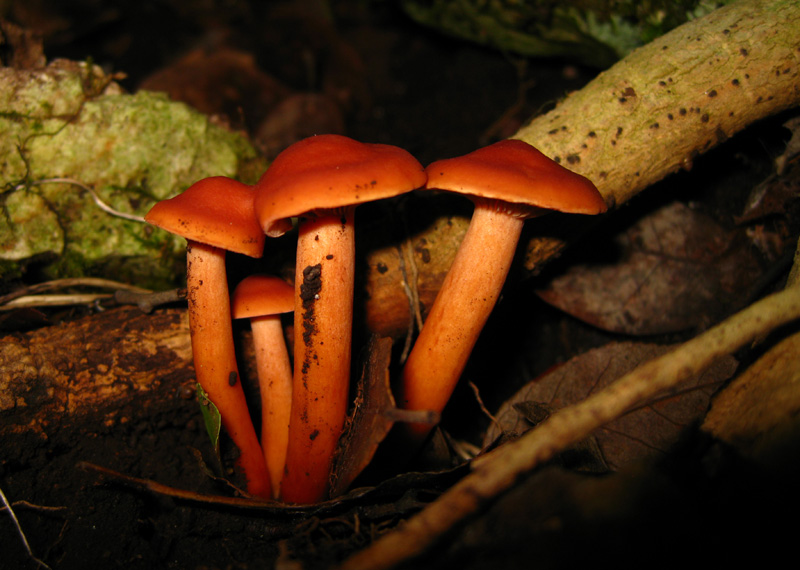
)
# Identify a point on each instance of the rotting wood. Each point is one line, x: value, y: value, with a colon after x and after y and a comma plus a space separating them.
x: 103, y: 366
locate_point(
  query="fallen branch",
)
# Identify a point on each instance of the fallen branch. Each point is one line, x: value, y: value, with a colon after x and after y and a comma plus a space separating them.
x: 498, y: 470
x: 653, y: 113
x: 93, y: 371
x: 657, y: 110
x: 665, y: 104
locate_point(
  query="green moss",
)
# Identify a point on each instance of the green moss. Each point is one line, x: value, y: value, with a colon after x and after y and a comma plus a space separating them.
x: 29, y: 226
x: 593, y: 32
x: 70, y: 121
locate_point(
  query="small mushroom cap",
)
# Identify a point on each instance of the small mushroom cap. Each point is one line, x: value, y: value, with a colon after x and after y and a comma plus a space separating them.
x: 515, y: 172
x: 329, y: 172
x: 261, y: 296
x: 216, y: 211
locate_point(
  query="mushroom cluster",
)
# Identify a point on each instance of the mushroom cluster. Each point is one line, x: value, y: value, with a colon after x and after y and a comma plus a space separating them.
x: 318, y: 181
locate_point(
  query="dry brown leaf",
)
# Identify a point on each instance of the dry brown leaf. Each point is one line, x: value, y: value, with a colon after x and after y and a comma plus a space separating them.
x: 374, y: 414
x: 298, y: 116
x: 641, y: 433
x: 760, y: 409
x: 792, y: 147
x: 497, y: 471
x: 247, y: 92
x: 678, y: 270
x: 774, y: 195
x: 369, y: 423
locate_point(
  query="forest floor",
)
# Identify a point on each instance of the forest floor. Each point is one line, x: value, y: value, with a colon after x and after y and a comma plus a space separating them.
x: 389, y: 81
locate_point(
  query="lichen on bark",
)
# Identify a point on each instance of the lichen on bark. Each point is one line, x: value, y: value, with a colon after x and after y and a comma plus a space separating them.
x: 69, y: 120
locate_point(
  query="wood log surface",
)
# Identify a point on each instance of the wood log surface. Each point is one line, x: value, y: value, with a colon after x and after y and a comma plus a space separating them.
x: 97, y: 370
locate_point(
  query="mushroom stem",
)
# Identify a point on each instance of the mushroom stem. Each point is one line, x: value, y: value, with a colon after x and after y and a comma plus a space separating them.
x: 275, y: 379
x: 215, y: 359
x: 323, y: 319
x: 462, y: 306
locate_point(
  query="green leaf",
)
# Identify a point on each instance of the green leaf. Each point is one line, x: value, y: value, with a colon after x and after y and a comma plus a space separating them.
x: 211, y: 417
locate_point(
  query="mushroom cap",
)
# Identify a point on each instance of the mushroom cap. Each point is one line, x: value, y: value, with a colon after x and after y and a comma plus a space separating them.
x: 515, y: 172
x: 260, y: 296
x: 329, y: 172
x: 216, y: 211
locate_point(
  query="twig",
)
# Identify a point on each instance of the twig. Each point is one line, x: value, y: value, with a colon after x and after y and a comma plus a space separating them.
x: 167, y: 491
x: 124, y: 294
x: 245, y: 503
x: 69, y: 282
x: 147, y: 301
x: 35, y: 507
x: 412, y: 416
x: 410, y: 296
x: 100, y: 204
x: 497, y: 471
x: 410, y: 286
x: 483, y: 407
x: 54, y: 300
x: 30, y: 297
x: 20, y: 531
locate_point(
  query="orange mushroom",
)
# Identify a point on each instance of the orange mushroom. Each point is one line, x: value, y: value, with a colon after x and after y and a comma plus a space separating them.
x: 215, y: 215
x: 509, y: 182
x: 262, y: 299
x: 320, y: 179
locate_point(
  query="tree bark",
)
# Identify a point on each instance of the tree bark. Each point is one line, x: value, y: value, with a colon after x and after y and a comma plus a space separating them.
x: 657, y: 110
x: 94, y: 371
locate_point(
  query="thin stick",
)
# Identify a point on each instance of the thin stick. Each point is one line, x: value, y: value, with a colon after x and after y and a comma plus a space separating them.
x: 410, y: 286
x: 54, y: 300
x: 498, y: 470
x: 35, y: 507
x: 483, y: 407
x: 21, y: 534
x: 167, y: 491
x: 70, y: 282
x: 410, y: 295
x: 267, y: 506
x: 100, y: 204
x: 148, y: 301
